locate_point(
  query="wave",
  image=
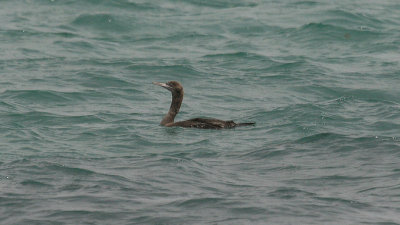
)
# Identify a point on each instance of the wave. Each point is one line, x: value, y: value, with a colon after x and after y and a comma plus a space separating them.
x: 121, y: 4
x: 352, y: 19
x: 41, y: 95
x: 314, y: 33
x: 94, y: 79
x: 199, y: 202
x: 221, y: 4
x: 240, y: 55
x: 305, y: 4
x: 46, y: 119
x: 245, y: 61
x: 290, y: 193
x: 334, y: 144
x: 36, y: 184
x: 319, y: 137
x: 101, y: 22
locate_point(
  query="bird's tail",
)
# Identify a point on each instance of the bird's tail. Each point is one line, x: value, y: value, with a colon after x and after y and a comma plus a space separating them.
x: 245, y: 124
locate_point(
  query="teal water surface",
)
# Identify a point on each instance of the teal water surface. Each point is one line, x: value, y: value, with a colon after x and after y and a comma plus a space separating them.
x: 80, y: 141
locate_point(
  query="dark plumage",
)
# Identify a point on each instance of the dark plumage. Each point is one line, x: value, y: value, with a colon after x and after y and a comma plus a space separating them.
x: 176, y: 90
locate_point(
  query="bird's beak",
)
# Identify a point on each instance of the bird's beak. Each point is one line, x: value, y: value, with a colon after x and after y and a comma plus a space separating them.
x: 164, y: 85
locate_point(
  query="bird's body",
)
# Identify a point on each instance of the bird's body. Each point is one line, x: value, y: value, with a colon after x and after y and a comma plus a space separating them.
x: 204, y: 123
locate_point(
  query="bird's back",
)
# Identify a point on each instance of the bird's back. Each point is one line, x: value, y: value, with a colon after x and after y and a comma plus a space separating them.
x: 204, y: 123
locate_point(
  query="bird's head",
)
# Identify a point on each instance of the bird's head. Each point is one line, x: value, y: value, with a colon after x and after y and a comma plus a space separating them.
x: 173, y: 86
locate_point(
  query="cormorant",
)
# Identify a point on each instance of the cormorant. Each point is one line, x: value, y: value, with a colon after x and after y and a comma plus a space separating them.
x: 176, y: 90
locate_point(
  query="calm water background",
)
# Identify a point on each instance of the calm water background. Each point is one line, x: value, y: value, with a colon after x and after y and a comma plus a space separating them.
x: 80, y: 141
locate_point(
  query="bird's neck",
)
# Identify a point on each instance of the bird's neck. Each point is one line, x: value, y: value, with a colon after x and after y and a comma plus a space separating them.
x: 173, y: 109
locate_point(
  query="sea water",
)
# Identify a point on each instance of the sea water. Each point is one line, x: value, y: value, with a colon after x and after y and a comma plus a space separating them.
x: 80, y: 140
